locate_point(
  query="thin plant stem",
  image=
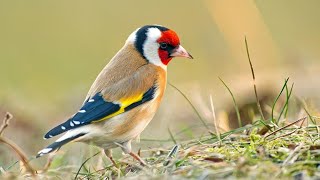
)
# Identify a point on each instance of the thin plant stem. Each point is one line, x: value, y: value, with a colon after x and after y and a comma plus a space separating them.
x: 276, y: 100
x: 254, y: 80
x: 193, y: 107
x: 234, y: 102
x: 215, y: 120
x: 285, y: 107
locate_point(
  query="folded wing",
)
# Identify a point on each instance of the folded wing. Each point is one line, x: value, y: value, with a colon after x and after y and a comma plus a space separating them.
x: 98, y: 109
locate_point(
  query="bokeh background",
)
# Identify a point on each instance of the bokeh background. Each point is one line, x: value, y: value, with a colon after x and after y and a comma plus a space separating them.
x: 51, y: 52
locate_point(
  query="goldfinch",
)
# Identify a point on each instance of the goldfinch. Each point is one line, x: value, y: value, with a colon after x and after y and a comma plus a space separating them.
x: 126, y: 94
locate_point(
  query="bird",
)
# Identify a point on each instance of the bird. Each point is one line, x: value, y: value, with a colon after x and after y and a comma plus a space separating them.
x: 125, y: 95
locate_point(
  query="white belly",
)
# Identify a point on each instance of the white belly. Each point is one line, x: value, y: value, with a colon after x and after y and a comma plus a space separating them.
x: 121, y: 128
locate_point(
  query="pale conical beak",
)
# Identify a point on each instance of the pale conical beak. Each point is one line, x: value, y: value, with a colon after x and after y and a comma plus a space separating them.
x: 180, y: 52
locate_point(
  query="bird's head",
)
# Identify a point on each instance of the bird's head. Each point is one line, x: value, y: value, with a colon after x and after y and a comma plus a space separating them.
x: 157, y: 44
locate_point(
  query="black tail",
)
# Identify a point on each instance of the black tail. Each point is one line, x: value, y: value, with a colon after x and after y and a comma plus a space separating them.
x: 56, y: 145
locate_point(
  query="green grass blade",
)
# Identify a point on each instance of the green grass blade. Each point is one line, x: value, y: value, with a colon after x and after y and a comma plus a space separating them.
x: 285, y: 107
x: 276, y: 100
x: 286, y: 111
x: 82, y: 165
x: 234, y: 102
x: 172, y: 137
x: 193, y: 107
x: 309, y: 115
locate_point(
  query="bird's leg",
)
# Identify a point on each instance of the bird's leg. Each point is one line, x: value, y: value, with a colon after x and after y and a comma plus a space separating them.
x: 108, y: 153
x: 138, y: 158
x: 126, y: 148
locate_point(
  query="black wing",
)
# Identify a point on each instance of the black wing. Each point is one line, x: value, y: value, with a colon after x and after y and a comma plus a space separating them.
x: 97, y: 109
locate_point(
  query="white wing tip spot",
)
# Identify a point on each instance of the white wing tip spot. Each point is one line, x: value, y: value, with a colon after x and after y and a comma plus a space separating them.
x: 91, y: 100
x: 76, y: 122
x: 82, y: 111
x: 71, y: 124
x: 63, y: 128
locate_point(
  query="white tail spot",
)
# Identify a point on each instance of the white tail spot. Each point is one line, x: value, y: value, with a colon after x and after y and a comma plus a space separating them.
x: 44, y: 151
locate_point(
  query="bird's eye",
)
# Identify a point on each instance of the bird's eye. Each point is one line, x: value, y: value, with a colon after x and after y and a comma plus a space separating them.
x: 163, y: 45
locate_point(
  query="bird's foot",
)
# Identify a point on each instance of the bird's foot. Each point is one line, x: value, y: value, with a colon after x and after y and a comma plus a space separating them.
x: 113, y: 162
x: 138, y: 158
x: 108, y: 153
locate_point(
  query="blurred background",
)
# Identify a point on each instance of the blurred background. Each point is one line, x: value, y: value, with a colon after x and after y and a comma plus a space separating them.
x: 51, y: 52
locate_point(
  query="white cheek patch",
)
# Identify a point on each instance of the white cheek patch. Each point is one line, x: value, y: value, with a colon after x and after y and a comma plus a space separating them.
x: 151, y: 46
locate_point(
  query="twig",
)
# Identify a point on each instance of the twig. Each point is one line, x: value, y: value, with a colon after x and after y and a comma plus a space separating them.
x: 284, y: 135
x: 5, y: 122
x: 254, y: 80
x: 274, y: 132
x: 15, y: 147
x: 19, y: 152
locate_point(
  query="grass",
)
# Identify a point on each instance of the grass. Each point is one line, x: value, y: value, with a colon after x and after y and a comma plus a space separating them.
x: 254, y: 79
x: 193, y: 107
x: 276, y: 100
x: 243, y: 154
x: 291, y: 149
x: 234, y: 102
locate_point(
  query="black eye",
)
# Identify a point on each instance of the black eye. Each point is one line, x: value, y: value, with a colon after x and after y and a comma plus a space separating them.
x: 163, y: 45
